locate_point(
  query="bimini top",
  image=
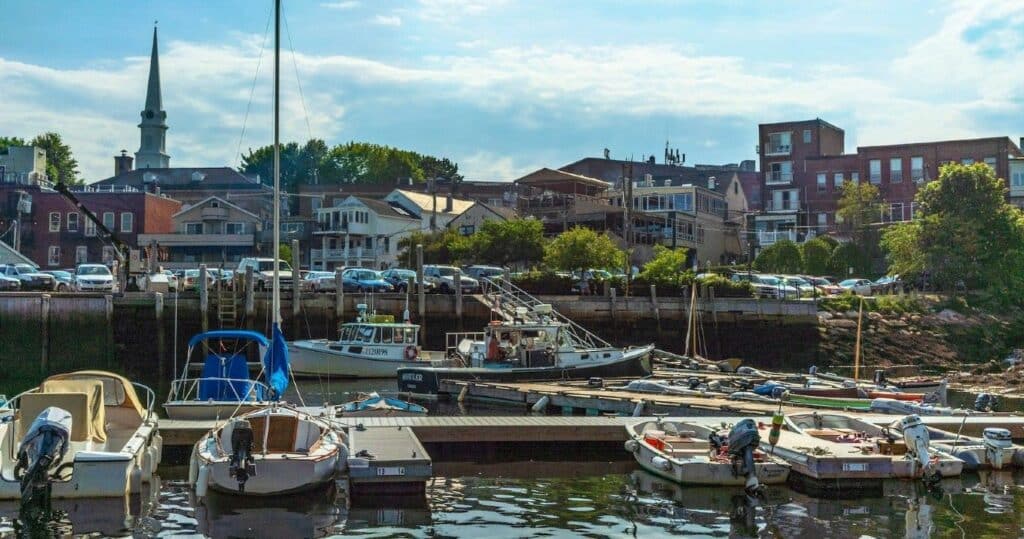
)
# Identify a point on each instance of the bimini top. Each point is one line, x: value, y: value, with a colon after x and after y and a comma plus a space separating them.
x: 118, y: 391
x: 233, y: 334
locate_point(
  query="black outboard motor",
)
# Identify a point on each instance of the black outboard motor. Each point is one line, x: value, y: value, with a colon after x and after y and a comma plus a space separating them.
x: 40, y: 453
x: 985, y: 402
x: 743, y: 440
x: 242, y: 465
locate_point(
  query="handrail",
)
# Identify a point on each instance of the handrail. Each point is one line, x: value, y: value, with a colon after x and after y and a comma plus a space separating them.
x: 507, y: 290
x: 150, y: 398
x: 193, y: 384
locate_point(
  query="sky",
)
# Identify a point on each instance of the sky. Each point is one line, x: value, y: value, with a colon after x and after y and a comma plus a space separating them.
x: 504, y: 87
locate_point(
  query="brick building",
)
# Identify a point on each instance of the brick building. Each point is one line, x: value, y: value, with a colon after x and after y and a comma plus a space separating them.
x: 804, y: 167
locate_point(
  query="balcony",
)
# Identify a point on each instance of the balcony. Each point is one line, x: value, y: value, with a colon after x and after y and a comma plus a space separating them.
x: 776, y: 178
x: 211, y: 213
x: 782, y: 206
x: 768, y: 238
x: 356, y: 257
x: 772, y: 148
x: 197, y: 240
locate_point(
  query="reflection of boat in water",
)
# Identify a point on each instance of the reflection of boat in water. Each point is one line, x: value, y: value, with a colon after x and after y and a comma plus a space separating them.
x: 406, y: 512
x: 314, y: 513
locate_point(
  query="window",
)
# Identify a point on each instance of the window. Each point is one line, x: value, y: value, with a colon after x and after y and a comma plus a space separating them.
x: 837, y: 181
x: 807, y: 136
x: 72, y: 221
x: 318, y: 203
x: 127, y: 221
x: 781, y: 172
x: 855, y: 177
x: 108, y: 220
x: 736, y: 188
x: 193, y: 228
x: 683, y: 202
x: 1017, y: 178
x: 916, y: 169
x: 54, y: 221
x: 991, y: 162
x: 81, y: 254
x: 90, y: 228
x: 967, y: 161
x: 822, y: 220
x: 822, y: 182
x: 234, y: 228
x: 896, y: 170
x: 700, y: 233
x: 53, y: 256
x: 387, y: 244
x: 467, y: 230
x: 779, y: 143
x: 875, y: 171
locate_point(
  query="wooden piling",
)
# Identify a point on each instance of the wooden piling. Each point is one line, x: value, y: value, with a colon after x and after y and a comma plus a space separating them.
x: 296, y: 289
x: 161, y: 345
x: 422, y: 303
x: 339, y: 296
x: 204, y: 305
x: 654, y: 304
x: 44, y: 347
x: 250, y: 296
x: 612, y: 294
x: 457, y: 279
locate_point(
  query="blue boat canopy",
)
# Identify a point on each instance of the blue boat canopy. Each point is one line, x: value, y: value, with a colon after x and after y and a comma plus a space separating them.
x: 235, y: 334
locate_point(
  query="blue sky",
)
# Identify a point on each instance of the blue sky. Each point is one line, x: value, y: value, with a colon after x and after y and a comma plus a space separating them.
x: 505, y: 87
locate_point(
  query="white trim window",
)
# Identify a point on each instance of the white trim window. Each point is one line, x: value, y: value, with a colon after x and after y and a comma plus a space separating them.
x: 916, y: 168
x: 780, y: 172
x: 991, y: 162
x: 54, y: 221
x: 127, y: 221
x: 194, y: 228
x: 855, y: 177
x: 108, y: 220
x: 236, y: 228
x: 896, y: 170
x: 779, y: 143
x: 72, y: 221
x: 81, y: 254
x: 90, y: 228
x: 53, y: 256
x: 822, y: 220
x: 822, y: 182
x: 875, y: 171
x: 837, y: 181
x: 108, y: 254
x: 807, y: 136
x: 1017, y: 178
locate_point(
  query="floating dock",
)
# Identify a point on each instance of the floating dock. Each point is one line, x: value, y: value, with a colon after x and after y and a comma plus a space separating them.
x: 387, y: 459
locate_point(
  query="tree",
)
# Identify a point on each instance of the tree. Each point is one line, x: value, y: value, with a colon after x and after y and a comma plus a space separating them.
x: 667, y: 267
x: 579, y: 249
x: 441, y: 247
x: 10, y: 141
x: 286, y: 255
x: 816, y: 254
x: 61, y: 165
x: 966, y: 232
x: 782, y: 256
x: 845, y: 256
x: 859, y: 208
x: 507, y: 243
x: 904, y: 256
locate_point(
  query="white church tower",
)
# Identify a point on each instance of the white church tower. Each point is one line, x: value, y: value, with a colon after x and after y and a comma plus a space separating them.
x: 153, y: 148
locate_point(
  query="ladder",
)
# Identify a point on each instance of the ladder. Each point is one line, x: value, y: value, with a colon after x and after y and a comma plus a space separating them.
x: 513, y: 304
x: 227, y: 308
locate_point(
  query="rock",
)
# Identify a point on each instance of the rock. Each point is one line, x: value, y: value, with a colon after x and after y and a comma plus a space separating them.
x: 841, y: 323
x: 851, y: 315
x: 825, y: 315
x: 875, y: 316
x: 949, y: 315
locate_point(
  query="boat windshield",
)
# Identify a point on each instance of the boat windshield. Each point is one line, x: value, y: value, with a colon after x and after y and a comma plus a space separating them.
x: 358, y: 333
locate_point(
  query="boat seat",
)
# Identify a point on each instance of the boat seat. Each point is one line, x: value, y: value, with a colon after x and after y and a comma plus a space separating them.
x: 281, y: 436
x: 827, y: 434
x: 77, y: 404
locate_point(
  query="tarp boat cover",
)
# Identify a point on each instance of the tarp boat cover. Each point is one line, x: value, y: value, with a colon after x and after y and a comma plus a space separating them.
x: 226, y: 378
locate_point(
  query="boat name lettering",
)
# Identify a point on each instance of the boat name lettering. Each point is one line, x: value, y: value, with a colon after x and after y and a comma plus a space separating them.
x: 855, y: 466
x: 391, y: 470
x: 375, y: 351
x: 412, y: 377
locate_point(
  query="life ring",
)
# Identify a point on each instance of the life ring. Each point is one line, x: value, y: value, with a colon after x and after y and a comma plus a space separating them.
x: 410, y: 353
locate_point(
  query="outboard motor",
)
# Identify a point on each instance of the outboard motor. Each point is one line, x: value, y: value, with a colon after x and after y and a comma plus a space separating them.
x: 985, y: 402
x: 915, y: 435
x: 996, y: 442
x: 242, y: 465
x: 743, y: 440
x: 40, y: 453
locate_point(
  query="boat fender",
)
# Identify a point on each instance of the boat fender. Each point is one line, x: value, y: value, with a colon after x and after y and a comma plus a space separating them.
x: 463, y: 393
x: 631, y: 445
x: 158, y: 450
x: 970, y: 458
x: 638, y: 410
x: 147, y: 464
x: 135, y: 479
x: 410, y: 352
x: 661, y: 463
x: 193, y: 467
x: 541, y: 405
x: 202, y: 479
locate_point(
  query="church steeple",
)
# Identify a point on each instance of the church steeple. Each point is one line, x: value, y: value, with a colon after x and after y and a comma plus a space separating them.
x: 153, y: 129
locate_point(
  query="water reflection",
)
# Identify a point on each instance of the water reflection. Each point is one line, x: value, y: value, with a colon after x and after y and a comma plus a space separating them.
x: 312, y: 514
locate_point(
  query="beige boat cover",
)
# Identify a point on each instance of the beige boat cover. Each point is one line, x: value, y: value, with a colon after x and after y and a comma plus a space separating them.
x: 117, y: 390
x: 88, y: 417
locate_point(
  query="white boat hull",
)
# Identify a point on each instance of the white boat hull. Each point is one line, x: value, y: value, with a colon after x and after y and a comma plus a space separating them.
x: 315, y: 358
x: 209, y: 409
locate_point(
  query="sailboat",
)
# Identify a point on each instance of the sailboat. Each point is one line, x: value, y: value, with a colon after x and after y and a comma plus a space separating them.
x: 277, y: 449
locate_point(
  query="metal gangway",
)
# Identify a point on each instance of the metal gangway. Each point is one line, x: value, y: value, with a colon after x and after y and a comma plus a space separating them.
x: 513, y: 304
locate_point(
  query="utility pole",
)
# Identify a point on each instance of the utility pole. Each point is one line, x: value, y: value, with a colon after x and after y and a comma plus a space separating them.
x: 432, y: 187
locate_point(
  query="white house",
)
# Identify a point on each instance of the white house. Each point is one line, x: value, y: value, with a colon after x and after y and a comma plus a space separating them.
x: 469, y: 221
x: 361, y: 232
x: 422, y: 206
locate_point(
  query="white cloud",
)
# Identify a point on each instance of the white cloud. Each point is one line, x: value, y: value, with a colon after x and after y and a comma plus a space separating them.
x: 450, y: 10
x: 483, y: 165
x: 387, y: 20
x: 345, y: 4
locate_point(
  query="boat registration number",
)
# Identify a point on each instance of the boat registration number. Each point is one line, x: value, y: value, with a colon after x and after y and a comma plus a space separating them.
x: 391, y: 470
x: 855, y: 466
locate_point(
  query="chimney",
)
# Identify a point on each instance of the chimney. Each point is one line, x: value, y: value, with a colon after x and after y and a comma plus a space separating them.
x: 1021, y: 143
x: 448, y: 203
x: 122, y: 163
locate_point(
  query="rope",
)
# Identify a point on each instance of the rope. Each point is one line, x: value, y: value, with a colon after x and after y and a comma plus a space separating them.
x: 298, y: 81
x: 252, y: 91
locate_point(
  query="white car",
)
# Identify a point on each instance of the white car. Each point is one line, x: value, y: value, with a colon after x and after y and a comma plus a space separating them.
x: 785, y: 291
x: 803, y: 285
x: 94, y: 277
x: 861, y: 287
x: 319, y: 281
x: 443, y: 277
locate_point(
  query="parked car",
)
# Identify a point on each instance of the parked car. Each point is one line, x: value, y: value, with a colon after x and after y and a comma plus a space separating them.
x: 399, y: 278
x: 364, y: 280
x: 443, y: 277
x: 222, y: 277
x: 172, y: 280
x: 825, y: 287
x: 801, y: 284
x: 784, y: 290
x: 263, y: 272
x: 480, y: 272
x: 765, y: 286
x: 65, y: 280
x: 31, y: 278
x: 319, y: 281
x: 861, y: 287
x: 9, y: 284
x: 889, y: 284
x: 94, y: 277
x: 190, y: 280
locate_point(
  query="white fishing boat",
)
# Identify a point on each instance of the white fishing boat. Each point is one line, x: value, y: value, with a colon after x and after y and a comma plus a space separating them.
x: 994, y: 450
x: 845, y: 446
x: 275, y: 450
x: 694, y: 454
x: 84, y: 434
x: 374, y: 346
x: 224, y: 387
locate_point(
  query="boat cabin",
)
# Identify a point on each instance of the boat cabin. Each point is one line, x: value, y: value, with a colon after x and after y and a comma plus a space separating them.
x: 522, y: 345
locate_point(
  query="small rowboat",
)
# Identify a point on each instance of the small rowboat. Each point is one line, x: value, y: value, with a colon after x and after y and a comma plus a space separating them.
x: 828, y: 402
x: 917, y: 397
x: 375, y: 405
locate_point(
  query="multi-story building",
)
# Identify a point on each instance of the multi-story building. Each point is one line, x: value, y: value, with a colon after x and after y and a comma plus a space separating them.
x: 22, y: 164
x: 804, y: 169
x: 361, y: 232
x: 214, y: 232
x: 434, y: 211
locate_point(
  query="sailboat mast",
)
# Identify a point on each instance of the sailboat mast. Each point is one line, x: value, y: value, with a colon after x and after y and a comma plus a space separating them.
x: 276, y: 293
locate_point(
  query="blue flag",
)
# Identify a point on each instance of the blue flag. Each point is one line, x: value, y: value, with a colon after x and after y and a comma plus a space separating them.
x: 277, y: 365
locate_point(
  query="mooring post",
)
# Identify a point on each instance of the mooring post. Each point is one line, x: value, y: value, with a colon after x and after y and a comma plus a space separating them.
x: 421, y: 307
x: 457, y: 279
x: 296, y: 288
x: 204, y: 305
x: 339, y: 296
x: 108, y: 304
x: 161, y: 345
x: 654, y: 304
x: 44, y: 348
x: 250, y: 295
x: 612, y: 294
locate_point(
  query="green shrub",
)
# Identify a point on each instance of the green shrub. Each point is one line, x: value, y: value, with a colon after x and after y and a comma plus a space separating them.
x: 544, y: 282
